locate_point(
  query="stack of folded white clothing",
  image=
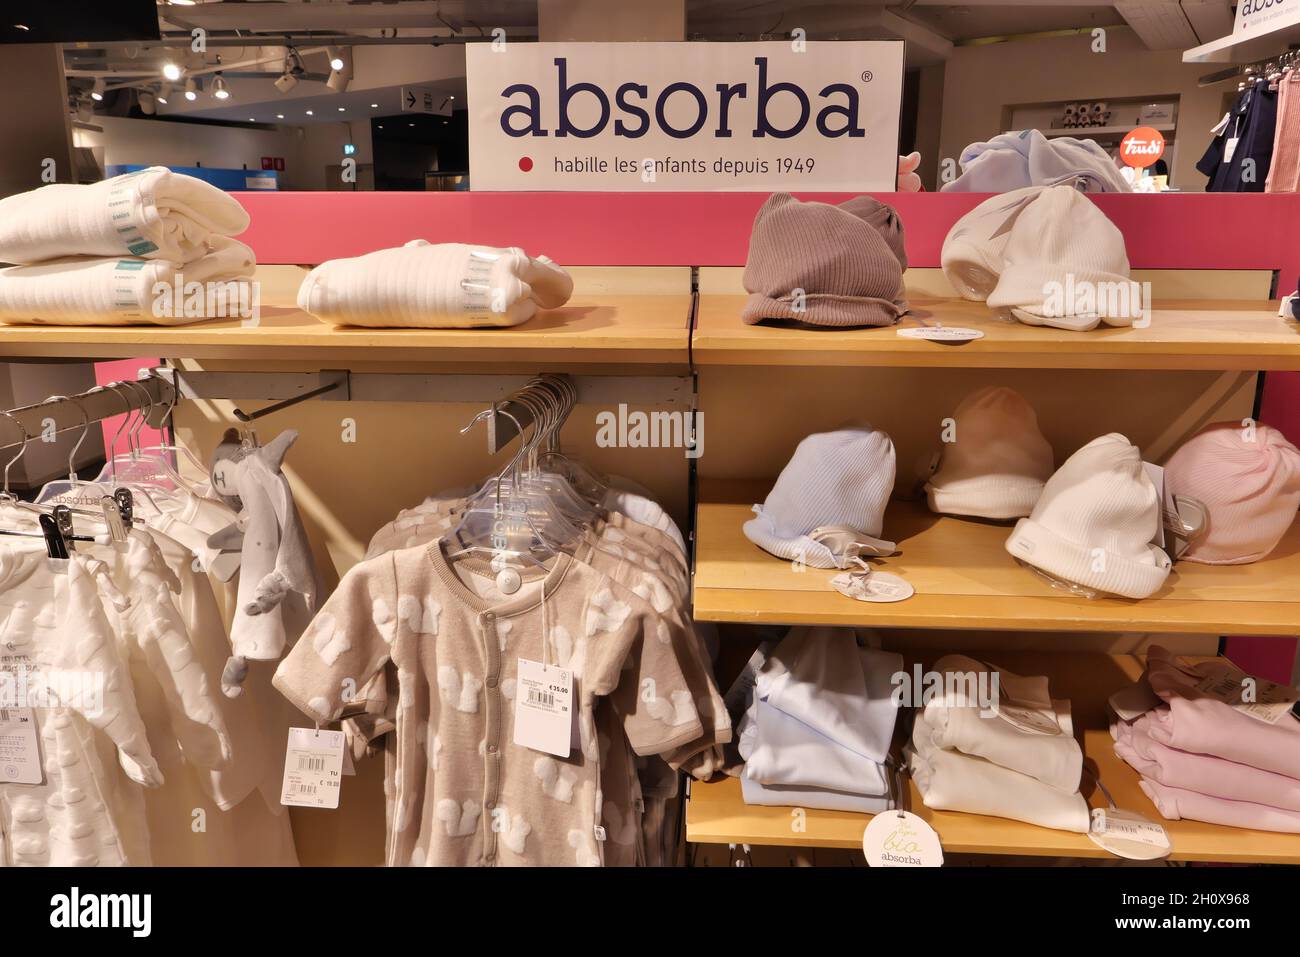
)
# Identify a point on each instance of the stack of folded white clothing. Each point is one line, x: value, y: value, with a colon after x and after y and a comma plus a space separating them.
x: 1206, y: 755
x: 129, y: 250
x: 435, y: 286
x: 1009, y: 755
x: 817, y: 731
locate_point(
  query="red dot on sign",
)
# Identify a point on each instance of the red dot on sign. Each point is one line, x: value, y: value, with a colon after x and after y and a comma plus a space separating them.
x: 526, y: 163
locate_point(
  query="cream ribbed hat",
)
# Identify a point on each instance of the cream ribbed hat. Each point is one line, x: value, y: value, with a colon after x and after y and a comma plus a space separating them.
x: 997, y: 463
x: 1249, y: 480
x: 823, y: 265
x: 974, y: 250
x: 828, y: 504
x: 1066, y: 266
x: 1095, y: 521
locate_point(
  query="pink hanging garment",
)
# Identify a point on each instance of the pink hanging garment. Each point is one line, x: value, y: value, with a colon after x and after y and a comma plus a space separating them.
x: 1203, y: 773
x: 1176, y: 804
x: 1284, y: 171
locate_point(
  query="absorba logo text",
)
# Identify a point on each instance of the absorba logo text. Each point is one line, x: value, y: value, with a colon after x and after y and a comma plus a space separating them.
x: 635, y: 109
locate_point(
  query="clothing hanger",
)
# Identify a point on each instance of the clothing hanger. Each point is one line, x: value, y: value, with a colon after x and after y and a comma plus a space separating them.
x: 56, y: 528
x: 173, y: 448
x: 584, y: 480
x: 151, y: 470
x: 553, y: 487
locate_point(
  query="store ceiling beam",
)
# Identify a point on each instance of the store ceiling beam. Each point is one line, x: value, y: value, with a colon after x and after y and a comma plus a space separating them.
x: 347, y: 17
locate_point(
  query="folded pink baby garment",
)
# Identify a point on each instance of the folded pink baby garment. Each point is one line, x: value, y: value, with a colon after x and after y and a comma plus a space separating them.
x: 1203, y: 773
x: 1198, y: 722
x: 1176, y: 804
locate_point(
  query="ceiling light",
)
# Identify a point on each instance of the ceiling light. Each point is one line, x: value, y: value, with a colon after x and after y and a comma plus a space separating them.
x: 374, y: 106
x: 310, y: 113
x: 279, y: 116
x: 251, y: 120
x: 148, y: 103
x: 21, y: 26
x: 181, y: 3
x: 219, y: 88
x: 191, y: 89
x: 164, y: 91
x: 286, y: 82
x: 342, y: 109
x: 97, y: 91
x: 171, y: 71
x: 336, y: 58
x: 338, y: 81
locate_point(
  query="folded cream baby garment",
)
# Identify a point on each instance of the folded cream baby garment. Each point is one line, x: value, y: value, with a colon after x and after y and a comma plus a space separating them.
x: 153, y: 213
x: 434, y: 286
x: 822, y: 799
x: 952, y: 781
x: 93, y: 291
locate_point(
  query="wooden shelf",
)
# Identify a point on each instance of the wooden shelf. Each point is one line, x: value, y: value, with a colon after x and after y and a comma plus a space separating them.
x: 623, y: 329
x: 1184, y: 334
x: 716, y: 814
x: 965, y: 579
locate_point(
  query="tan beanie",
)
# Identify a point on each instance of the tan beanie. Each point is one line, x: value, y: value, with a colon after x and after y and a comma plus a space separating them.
x: 846, y: 269
x: 998, y: 460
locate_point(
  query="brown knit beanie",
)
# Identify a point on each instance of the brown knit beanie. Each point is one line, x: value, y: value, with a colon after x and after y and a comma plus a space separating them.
x: 848, y: 271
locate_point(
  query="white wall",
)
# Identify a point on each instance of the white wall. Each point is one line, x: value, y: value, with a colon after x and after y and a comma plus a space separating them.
x: 128, y: 141
x: 322, y: 148
x: 980, y: 81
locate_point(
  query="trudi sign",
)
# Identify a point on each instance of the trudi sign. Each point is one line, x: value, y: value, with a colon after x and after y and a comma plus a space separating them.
x: 685, y: 116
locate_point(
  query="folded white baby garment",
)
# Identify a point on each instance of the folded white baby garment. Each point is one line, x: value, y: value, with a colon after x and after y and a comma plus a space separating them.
x: 153, y: 213
x: 434, y: 286
x: 845, y: 693
x: 1024, y: 730
x: 788, y: 752
x: 1054, y: 759
x: 820, y: 799
x: 952, y: 781
x: 93, y: 291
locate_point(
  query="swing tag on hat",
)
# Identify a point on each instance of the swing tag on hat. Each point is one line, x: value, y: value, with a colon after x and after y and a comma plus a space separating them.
x: 953, y: 335
x: 866, y: 584
x: 1129, y: 835
x: 901, y: 839
x: 1184, y: 523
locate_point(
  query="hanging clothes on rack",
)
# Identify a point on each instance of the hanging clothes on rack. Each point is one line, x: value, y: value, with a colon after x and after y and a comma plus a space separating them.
x: 1240, y: 155
x: 213, y: 796
x: 1284, y: 173
x: 443, y: 627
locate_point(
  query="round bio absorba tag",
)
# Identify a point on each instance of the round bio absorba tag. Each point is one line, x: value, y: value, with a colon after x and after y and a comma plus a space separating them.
x: 950, y: 334
x: 1128, y: 834
x: 901, y: 839
x: 877, y: 586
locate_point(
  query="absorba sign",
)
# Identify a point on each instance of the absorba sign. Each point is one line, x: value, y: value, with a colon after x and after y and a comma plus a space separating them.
x: 685, y: 116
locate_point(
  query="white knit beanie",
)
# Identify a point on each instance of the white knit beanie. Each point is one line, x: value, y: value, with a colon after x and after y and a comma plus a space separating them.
x: 828, y: 504
x: 1062, y: 248
x: 1095, y: 521
x: 997, y: 463
x: 975, y: 248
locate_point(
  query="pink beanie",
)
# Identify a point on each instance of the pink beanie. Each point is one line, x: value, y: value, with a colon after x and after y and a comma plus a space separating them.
x: 1249, y: 480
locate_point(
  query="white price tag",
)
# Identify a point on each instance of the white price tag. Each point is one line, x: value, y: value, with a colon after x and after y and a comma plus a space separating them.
x: 952, y: 334
x: 1229, y: 148
x: 901, y: 839
x: 1129, y: 835
x: 1257, y: 698
x: 20, y: 755
x: 313, y: 768
x: 544, y: 715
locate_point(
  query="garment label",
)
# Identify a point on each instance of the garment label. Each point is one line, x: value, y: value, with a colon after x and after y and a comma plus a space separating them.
x: 313, y: 768
x: 1257, y: 698
x: 901, y: 839
x: 20, y: 755
x: 1129, y: 835
x: 1029, y: 720
x: 949, y: 334
x: 873, y: 587
x: 544, y: 708
x: 1229, y: 148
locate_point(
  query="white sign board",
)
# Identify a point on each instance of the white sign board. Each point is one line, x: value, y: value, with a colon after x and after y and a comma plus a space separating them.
x: 1265, y: 16
x: 820, y: 116
x: 425, y: 99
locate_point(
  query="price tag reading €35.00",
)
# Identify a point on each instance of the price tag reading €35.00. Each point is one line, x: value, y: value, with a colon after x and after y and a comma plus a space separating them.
x: 313, y: 768
x: 544, y: 708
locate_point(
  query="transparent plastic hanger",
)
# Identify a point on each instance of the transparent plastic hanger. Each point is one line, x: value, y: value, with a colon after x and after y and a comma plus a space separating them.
x: 55, y: 527
x: 583, y: 479
x: 95, y: 503
x: 138, y: 490
x: 535, y: 528
x: 549, y: 414
x: 152, y: 471
x: 178, y: 450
